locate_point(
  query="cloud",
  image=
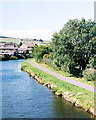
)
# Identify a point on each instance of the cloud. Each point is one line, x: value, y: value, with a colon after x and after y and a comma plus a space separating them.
x: 45, y: 34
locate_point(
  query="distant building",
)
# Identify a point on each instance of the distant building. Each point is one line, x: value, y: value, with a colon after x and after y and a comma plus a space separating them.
x: 8, y: 48
x: 12, y: 48
x: 10, y: 44
x: 2, y: 44
x: 29, y: 45
x: 23, y: 48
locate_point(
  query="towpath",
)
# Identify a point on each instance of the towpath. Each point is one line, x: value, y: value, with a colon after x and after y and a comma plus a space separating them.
x: 69, y: 80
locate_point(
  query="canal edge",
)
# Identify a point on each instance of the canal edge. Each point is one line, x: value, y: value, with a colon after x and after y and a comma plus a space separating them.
x: 73, y: 101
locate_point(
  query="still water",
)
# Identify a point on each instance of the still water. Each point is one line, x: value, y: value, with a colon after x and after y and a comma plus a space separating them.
x: 23, y: 97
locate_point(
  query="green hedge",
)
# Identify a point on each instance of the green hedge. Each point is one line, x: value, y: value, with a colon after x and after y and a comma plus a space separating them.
x: 89, y: 76
x: 13, y: 58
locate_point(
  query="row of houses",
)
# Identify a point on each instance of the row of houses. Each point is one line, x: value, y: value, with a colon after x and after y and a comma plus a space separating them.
x: 13, y: 49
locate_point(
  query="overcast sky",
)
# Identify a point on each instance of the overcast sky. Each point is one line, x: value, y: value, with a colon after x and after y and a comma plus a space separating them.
x: 41, y: 19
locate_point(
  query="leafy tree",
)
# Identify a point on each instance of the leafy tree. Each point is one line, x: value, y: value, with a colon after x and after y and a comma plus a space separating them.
x: 92, y: 62
x: 39, y: 51
x: 20, y: 44
x: 41, y: 40
x: 74, y: 45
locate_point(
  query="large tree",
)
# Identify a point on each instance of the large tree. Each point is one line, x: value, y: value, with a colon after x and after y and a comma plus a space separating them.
x: 74, y: 44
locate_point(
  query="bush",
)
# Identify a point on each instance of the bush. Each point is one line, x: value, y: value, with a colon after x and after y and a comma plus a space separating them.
x: 64, y: 68
x: 13, y: 58
x: 89, y: 76
x: 23, y: 67
x: 1, y: 58
x: 92, y: 62
x: 4, y: 58
x: 38, y: 60
x: 74, y: 71
x: 30, y: 56
x: 21, y: 57
x: 47, y: 56
x: 52, y: 65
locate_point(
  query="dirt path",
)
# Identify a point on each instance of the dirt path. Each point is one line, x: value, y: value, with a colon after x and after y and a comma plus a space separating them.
x: 74, y: 82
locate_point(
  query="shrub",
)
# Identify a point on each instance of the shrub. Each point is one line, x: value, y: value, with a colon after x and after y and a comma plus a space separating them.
x: 89, y: 76
x: 47, y: 56
x: 23, y: 67
x: 74, y: 71
x: 1, y: 58
x: 21, y: 57
x: 64, y: 68
x: 48, y: 63
x: 92, y: 62
x: 30, y: 56
x: 5, y: 57
x: 38, y: 60
x: 13, y: 58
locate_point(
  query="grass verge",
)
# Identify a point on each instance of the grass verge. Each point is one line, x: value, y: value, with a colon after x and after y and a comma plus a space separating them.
x: 86, y: 99
x: 66, y: 74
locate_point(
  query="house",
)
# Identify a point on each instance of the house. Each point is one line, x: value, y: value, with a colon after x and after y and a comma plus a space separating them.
x: 2, y: 44
x: 27, y: 45
x: 10, y: 44
x: 8, y: 48
x: 12, y: 49
x: 30, y: 45
x: 23, y: 48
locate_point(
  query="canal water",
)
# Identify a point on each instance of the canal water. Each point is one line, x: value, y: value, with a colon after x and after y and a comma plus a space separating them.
x: 23, y: 97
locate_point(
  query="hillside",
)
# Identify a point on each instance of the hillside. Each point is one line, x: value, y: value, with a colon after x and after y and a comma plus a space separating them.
x: 18, y: 40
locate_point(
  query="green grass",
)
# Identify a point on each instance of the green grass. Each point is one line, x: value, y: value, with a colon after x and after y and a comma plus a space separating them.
x: 16, y: 40
x: 87, y: 97
x: 66, y: 74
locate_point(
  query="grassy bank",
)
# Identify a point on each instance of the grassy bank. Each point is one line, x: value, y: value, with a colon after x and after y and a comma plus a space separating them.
x: 66, y: 74
x: 78, y: 96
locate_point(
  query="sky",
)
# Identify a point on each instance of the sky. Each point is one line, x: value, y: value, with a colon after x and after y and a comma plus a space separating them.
x: 40, y: 19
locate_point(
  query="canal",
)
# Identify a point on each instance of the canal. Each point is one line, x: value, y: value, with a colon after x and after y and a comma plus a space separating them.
x: 23, y: 97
